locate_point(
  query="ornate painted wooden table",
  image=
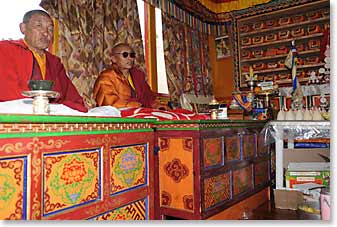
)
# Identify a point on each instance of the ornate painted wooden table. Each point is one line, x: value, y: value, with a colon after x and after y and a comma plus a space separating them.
x: 67, y: 167
x: 210, y: 169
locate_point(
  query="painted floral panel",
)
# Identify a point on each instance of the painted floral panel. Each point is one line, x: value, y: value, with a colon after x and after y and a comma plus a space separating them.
x: 213, y: 154
x: 70, y: 179
x: 242, y: 180
x: 248, y: 146
x: 232, y: 147
x: 128, y: 166
x: 176, y: 173
x: 217, y: 189
x: 261, y: 173
x: 13, y: 188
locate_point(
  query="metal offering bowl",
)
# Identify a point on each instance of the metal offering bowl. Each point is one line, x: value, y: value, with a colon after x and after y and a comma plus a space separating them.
x: 213, y: 106
x: 44, y: 85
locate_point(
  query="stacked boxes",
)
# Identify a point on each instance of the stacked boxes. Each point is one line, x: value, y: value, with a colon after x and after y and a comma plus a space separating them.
x: 308, y: 172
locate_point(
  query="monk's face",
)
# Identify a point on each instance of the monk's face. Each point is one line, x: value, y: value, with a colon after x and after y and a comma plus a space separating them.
x: 38, y: 32
x: 123, y: 57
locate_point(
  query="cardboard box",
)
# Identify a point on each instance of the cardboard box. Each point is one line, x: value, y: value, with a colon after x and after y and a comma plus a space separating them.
x: 287, y: 198
x: 308, y: 172
x: 305, y: 155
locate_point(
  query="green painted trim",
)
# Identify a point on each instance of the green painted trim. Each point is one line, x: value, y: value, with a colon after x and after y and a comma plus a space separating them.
x: 210, y: 128
x: 16, y: 118
x: 209, y: 121
x: 177, y: 122
x: 177, y: 129
x: 200, y: 123
x: 237, y: 126
x: 75, y: 133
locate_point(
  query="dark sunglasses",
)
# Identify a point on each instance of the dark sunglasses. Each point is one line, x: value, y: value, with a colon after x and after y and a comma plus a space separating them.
x: 126, y: 54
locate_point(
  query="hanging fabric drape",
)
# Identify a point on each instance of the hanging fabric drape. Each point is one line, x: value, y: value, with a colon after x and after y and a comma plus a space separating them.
x: 184, y: 16
x: 186, y: 53
x: 87, y: 32
x: 175, y: 57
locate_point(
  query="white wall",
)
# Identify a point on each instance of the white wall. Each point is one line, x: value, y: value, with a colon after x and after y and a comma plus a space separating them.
x: 11, y: 14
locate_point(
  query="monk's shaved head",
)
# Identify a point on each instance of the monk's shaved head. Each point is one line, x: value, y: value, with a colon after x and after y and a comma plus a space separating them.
x: 29, y: 14
x: 121, y: 46
x: 123, y: 56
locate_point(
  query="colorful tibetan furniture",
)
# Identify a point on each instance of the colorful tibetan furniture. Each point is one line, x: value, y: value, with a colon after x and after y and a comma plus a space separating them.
x: 210, y: 169
x: 66, y: 167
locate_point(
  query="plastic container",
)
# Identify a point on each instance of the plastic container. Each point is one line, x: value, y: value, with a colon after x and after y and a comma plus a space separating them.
x: 222, y: 113
x: 325, y: 201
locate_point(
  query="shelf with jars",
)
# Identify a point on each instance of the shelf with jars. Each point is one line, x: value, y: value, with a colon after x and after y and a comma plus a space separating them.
x: 264, y: 41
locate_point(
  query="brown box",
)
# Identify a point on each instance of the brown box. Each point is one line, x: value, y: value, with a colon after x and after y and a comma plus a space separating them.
x: 305, y: 155
x: 235, y: 114
x: 287, y: 199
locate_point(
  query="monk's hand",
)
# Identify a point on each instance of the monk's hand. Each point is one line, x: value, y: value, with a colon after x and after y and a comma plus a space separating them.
x: 160, y: 106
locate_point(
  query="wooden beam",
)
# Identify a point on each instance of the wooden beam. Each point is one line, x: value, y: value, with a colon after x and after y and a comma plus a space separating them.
x: 150, y: 46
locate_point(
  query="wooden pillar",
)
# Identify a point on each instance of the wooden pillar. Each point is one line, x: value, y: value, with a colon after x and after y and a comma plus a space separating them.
x: 150, y: 46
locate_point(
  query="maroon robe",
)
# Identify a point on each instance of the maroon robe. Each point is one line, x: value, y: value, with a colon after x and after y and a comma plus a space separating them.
x: 16, y: 69
x: 143, y: 91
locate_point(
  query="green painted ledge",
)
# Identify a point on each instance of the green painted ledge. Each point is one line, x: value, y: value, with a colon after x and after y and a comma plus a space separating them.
x: 25, y: 118
x: 155, y: 125
x: 235, y: 124
x: 208, y: 122
x: 76, y: 133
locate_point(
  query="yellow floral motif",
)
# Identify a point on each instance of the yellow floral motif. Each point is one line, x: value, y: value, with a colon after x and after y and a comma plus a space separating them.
x: 70, y: 179
x: 36, y: 207
x: 9, y: 148
x: 35, y: 145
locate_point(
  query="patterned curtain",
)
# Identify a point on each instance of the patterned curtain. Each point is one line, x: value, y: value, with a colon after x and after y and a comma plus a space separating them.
x: 187, y: 60
x: 87, y: 32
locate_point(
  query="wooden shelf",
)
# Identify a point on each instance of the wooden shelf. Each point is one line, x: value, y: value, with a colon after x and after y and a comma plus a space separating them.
x: 283, y: 27
x: 284, y: 81
x: 282, y: 41
x: 288, y: 81
x: 286, y: 69
x: 310, y: 66
x: 280, y: 56
x: 273, y: 74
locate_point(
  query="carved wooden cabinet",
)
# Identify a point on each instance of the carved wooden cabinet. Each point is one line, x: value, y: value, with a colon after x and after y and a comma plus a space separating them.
x: 264, y: 41
x: 61, y: 167
x: 206, y: 167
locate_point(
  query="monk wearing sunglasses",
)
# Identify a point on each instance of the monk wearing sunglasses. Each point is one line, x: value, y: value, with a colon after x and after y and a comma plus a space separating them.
x: 123, y: 85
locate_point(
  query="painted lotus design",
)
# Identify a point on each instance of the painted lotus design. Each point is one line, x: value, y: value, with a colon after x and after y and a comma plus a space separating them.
x: 73, y: 172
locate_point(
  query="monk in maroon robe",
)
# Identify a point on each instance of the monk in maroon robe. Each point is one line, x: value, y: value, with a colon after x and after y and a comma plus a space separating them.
x: 26, y: 59
x: 123, y: 85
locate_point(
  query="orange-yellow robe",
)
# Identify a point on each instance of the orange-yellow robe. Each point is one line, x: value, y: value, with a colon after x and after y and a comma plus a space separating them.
x: 112, y: 88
